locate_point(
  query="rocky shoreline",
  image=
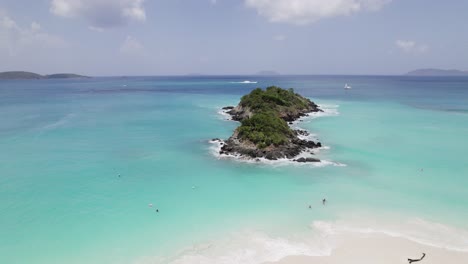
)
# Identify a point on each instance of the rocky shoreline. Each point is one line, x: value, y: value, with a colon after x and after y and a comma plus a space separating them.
x: 294, y: 147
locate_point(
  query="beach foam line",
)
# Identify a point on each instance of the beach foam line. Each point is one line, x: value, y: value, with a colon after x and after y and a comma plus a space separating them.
x: 245, y: 247
x: 377, y: 248
x: 416, y: 230
x: 339, y: 241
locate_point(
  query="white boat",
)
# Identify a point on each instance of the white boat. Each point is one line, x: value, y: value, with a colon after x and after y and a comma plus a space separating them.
x: 246, y: 82
x: 346, y: 86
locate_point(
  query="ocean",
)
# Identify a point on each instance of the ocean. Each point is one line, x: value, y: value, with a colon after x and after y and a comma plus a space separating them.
x: 85, y: 164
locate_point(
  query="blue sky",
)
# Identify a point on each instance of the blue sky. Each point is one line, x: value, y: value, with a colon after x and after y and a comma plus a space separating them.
x: 178, y: 37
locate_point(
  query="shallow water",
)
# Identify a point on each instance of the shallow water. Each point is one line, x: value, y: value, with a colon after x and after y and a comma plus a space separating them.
x: 81, y: 160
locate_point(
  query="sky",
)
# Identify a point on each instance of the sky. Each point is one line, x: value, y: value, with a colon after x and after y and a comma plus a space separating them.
x: 219, y: 37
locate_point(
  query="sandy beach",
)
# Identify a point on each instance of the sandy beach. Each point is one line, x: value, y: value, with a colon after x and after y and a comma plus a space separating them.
x: 381, y: 249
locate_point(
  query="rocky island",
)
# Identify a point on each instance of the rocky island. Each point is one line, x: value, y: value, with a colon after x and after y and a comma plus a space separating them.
x: 264, y: 131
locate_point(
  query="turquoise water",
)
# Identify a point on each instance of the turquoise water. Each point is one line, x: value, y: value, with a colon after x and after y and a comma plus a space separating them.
x: 81, y: 160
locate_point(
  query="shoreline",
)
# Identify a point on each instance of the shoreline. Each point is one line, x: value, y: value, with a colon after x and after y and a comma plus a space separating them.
x: 379, y: 248
x: 332, y: 243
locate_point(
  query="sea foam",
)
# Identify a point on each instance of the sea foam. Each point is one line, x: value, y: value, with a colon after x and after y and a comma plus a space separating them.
x: 246, y: 247
x: 414, y: 229
x: 323, y: 237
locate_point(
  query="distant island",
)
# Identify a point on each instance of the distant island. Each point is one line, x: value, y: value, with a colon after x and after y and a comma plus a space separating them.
x: 264, y: 132
x: 22, y: 75
x: 437, y: 72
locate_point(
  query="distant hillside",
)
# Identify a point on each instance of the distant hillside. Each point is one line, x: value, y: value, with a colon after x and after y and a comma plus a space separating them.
x: 64, y: 76
x: 22, y: 75
x: 19, y: 75
x: 437, y: 72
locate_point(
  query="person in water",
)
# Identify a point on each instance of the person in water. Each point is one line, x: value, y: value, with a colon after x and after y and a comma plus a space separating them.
x: 324, y: 201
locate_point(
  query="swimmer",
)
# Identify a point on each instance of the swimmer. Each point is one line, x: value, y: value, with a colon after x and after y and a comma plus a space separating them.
x: 324, y: 201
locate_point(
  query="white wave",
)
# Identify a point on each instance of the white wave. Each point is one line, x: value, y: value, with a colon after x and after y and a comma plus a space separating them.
x: 246, y: 247
x: 255, y: 247
x: 328, y: 110
x: 308, y: 136
x: 216, y: 145
x: 224, y: 115
x: 62, y: 121
x: 416, y: 230
x: 246, y: 82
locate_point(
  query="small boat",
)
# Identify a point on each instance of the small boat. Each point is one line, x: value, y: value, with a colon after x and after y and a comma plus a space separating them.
x: 346, y: 86
x: 246, y: 82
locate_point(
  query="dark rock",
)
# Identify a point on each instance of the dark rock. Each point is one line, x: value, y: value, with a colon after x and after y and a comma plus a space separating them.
x: 303, y: 160
x: 228, y: 107
x: 301, y: 132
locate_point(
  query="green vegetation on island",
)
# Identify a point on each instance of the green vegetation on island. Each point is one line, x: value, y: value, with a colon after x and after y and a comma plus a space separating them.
x: 266, y: 124
x: 264, y: 129
x: 274, y: 99
x: 22, y: 75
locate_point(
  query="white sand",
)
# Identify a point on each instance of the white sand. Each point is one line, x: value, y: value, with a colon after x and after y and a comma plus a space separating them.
x: 380, y: 249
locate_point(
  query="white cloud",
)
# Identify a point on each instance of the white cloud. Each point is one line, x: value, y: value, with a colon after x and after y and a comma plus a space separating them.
x: 410, y: 46
x: 97, y: 29
x: 131, y: 46
x: 7, y: 23
x: 100, y: 13
x: 279, y: 37
x: 307, y: 11
x: 15, y: 39
x: 35, y: 26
